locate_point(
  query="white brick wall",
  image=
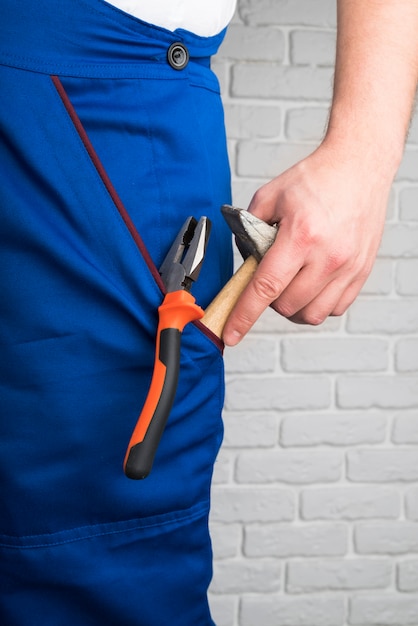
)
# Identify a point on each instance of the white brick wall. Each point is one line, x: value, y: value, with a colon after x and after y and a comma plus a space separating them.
x: 315, y: 499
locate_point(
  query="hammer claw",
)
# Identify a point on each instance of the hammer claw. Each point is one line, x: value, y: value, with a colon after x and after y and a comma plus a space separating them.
x: 253, y: 237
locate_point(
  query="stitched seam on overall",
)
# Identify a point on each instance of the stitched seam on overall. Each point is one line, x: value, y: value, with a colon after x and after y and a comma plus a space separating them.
x: 81, y: 533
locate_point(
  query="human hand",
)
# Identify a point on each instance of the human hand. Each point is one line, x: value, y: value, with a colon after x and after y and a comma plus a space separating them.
x: 331, y: 213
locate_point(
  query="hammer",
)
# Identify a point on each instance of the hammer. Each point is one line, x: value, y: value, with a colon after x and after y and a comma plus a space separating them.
x: 253, y: 238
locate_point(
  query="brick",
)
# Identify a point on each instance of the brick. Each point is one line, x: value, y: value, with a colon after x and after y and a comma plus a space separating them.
x: 275, y: 610
x: 252, y: 355
x: 297, y: 467
x: 268, y: 159
x: 408, y: 202
x: 267, y: 80
x: 272, y: 322
x: 223, y: 469
x: 407, y: 575
x: 231, y: 147
x: 253, y: 44
x: 250, y: 430
x: 243, y: 190
x: 383, y: 316
x: 221, y: 69
x: 382, y: 465
x: 399, y: 240
x: 338, y: 429
x: 386, y: 538
x: 387, y: 609
x: 306, y: 123
x: 253, y: 121
x: 380, y: 280
x: 334, y: 355
x: 354, y: 392
x: 408, y: 170
x: 259, y: 504
x: 337, y: 574
x: 391, y: 209
x: 350, y: 503
x: 413, y: 130
x: 226, y: 540
x: 406, y: 355
x: 407, y: 277
x: 261, y: 12
x: 282, y: 393
x: 411, y: 504
x: 405, y: 428
x: 224, y: 609
x: 240, y: 576
x: 307, y: 540
x: 312, y: 47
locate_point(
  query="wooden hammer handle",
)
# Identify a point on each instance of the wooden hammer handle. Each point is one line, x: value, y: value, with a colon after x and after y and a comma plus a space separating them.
x: 221, y: 306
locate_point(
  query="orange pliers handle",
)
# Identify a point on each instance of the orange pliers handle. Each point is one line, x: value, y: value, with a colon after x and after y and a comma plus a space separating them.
x: 178, y: 308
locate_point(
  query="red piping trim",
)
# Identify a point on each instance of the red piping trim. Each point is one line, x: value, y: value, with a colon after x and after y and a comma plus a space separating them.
x: 211, y: 335
x: 119, y: 204
x: 107, y: 182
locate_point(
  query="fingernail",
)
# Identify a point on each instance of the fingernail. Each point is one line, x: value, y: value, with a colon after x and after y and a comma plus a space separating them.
x: 233, y: 338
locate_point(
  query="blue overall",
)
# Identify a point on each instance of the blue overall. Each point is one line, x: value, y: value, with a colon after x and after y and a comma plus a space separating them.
x: 105, y: 150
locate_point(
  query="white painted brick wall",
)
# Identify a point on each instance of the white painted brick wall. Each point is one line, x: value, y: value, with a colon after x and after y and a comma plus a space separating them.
x: 315, y: 498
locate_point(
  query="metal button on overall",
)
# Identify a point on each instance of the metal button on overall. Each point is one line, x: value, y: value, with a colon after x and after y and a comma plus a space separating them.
x: 178, y: 56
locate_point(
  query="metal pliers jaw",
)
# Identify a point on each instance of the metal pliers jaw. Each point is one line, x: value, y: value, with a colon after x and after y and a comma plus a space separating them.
x: 182, y: 265
x: 180, y: 268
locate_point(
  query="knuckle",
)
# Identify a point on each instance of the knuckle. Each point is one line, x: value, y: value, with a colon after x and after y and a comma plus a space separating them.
x: 260, y: 195
x: 308, y: 231
x: 338, y: 259
x: 339, y: 310
x: 284, y: 309
x: 263, y: 196
x: 267, y: 288
x: 312, y: 315
x: 313, y: 318
x: 307, y: 235
x: 242, y: 320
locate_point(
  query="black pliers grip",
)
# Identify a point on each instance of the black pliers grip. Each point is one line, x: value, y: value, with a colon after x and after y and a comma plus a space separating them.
x: 179, y: 270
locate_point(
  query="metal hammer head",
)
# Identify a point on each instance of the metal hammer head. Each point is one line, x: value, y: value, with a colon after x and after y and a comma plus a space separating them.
x: 252, y: 235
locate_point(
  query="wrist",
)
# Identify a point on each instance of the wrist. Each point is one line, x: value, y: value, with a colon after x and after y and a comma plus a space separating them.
x: 375, y: 146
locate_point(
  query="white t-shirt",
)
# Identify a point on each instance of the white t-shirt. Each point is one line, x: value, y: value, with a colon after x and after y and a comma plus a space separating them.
x: 203, y: 17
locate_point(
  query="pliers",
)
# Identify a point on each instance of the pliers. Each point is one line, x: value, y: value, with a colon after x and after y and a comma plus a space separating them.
x: 180, y: 268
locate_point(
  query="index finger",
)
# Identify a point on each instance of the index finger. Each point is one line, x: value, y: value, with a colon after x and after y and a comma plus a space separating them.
x: 275, y: 272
